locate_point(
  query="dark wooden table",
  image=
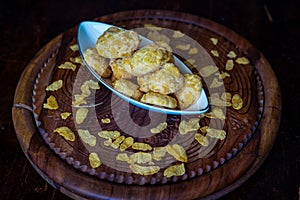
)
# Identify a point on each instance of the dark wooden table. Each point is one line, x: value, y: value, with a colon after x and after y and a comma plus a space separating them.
x: 271, y: 26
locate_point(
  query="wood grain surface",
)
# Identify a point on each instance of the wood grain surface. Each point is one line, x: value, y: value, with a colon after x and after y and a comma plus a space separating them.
x: 210, y: 177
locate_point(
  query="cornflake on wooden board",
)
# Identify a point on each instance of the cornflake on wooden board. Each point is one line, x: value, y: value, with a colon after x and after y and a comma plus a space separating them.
x: 77, y: 60
x: 214, y: 41
x: 86, y: 137
x: 214, y: 53
x: 183, y: 47
x: 177, y: 151
x: 229, y: 64
x: 51, y: 103
x: 231, y: 54
x: 74, y: 47
x: 208, y: 70
x: 109, y: 134
x: 65, y: 115
x: 94, y: 159
x: 237, y: 102
x: 193, y: 51
x: 178, y: 34
x: 55, y: 85
x: 188, y: 126
x: 68, y: 65
x: 106, y: 120
x: 201, y: 139
x: 141, y: 146
x: 126, y: 143
x: 81, y: 114
x: 65, y: 132
x: 174, y: 170
x: 159, y: 128
x: 242, y: 60
x: 144, y: 170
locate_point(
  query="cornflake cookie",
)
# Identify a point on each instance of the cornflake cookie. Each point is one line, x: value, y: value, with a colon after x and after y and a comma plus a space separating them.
x: 118, y: 68
x: 128, y: 88
x: 190, y: 92
x: 167, y: 80
x: 117, y: 43
x: 97, y: 62
x: 149, y: 58
x: 159, y: 100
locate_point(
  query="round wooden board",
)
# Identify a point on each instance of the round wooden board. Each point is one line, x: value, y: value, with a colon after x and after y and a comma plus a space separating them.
x: 215, y: 179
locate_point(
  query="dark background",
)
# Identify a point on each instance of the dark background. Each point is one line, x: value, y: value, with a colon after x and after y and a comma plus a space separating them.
x: 271, y: 26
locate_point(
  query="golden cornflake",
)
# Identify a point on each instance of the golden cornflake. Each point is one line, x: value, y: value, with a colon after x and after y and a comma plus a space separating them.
x: 214, y: 41
x: 223, y: 75
x: 218, y: 113
x: 237, y: 102
x: 51, y: 103
x: 92, y: 84
x: 229, y: 64
x: 187, y: 126
x: 77, y: 60
x: 208, y: 70
x: 216, y: 101
x: 116, y: 143
x: 65, y: 115
x: 109, y: 134
x: 74, y: 47
x: 152, y: 27
x: 94, y: 160
x: 183, y: 47
x: 105, y: 121
x: 226, y: 96
x: 141, y: 146
x: 178, y: 34
x: 190, y: 63
x: 81, y: 114
x: 55, y: 85
x: 85, y: 92
x: 215, y: 133
x: 123, y: 157
x: 158, y: 153
x: 144, y: 170
x: 160, y: 127
x: 79, y: 99
x: 174, y: 170
x: 107, y: 142
x: 242, y: 60
x: 201, y: 139
x: 126, y: 143
x: 216, y: 83
x: 157, y: 37
x: 66, y: 133
x: 178, y: 152
x: 231, y: 54
x: 67, y: 65
x: 141, y: 158
x: 204, y: 129
x: 86, y: 137
x: 193, y: 50
x: 214, y: 53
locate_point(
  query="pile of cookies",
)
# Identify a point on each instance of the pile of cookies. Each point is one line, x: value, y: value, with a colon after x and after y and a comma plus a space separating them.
x: 147, y: 74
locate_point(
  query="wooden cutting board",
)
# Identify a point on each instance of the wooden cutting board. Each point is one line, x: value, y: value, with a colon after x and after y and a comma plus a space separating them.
x: 210, y: 171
